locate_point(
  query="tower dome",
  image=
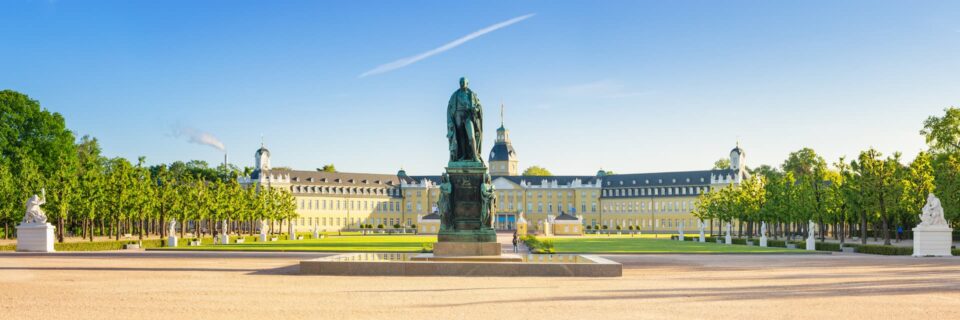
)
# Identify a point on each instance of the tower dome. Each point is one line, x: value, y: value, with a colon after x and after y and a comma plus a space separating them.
x: 503, y: 158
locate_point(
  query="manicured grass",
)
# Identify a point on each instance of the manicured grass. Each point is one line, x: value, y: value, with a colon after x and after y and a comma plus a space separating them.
x: 621, y: 244
x: 643, y: 236
x: 384, y: 243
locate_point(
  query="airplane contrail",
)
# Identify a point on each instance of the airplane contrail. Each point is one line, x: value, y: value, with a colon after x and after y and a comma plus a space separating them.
x: 387, y: 67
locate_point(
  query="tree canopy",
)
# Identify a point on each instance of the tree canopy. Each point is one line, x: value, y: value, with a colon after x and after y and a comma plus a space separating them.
x: 536, y: 171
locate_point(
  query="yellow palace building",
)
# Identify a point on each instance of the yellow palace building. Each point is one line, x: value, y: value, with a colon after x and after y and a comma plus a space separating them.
x: 652, y: 202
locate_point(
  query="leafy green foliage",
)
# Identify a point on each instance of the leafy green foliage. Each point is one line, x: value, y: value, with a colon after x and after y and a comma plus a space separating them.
x: 536, y: 171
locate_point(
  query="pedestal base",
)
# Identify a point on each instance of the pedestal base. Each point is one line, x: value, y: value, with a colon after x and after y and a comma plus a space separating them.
x: 811, y: 244
x: 172, y: 241
x: 35, y: 237
x: 763, y: 241
x: 483, y: 235
x: 932, y: 241
x: 464, y: 249
x: 727, y: 239
x: 263, y: 237
x: 702, y: 238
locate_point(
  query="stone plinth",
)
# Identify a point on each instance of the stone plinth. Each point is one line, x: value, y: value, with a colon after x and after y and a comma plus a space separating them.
x: 35, y: 237
x: 932, y: 241
x: 463, y: 249
x: 727, y: 239
x: 172, y: 241
x: 508, y: 257
x: 372, y: 264
x: 466, y: 204
x: 763, y: 241
x: 263, y: 237
x: 811, y: 244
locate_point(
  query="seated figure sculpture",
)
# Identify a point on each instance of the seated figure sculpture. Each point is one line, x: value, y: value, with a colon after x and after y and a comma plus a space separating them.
x: 34, y: 214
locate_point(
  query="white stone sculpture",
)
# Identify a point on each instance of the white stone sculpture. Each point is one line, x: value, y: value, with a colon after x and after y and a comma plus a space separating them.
x: 172, y: 233
x: 680, y: 231
x: 292, y: 232
x: 702, y: 225
x: 316, y: 232
x: 34, y: 234
x: 224, y: 236
x: 932, y: 213
x: 727, y: 239
x: 263, y: 230
x: 933, y: 236
x: 34, y: 212
x: 763, y: 233
x: 811, y: 232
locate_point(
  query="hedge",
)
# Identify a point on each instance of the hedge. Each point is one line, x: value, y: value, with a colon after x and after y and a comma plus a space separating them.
x: 881, y: 249
x: 537, y: 246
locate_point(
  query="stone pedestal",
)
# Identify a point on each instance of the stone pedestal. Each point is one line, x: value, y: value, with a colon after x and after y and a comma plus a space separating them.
x: 35, y: 237
x: 224, y: 239
x: 702, y: 237
x: 763, y: 241
x: 466, y: 204
x: 316, y: 234
x: 727, y: 239
x: 811, y: 244
x: 292, y: 231
x: 460, y: 249
x: 263, y: 237
x: 172, y: 241
x: 932, y: 241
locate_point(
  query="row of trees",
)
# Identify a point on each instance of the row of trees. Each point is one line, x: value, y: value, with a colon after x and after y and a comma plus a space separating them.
x: 872, y: 194
x: 91, y: 195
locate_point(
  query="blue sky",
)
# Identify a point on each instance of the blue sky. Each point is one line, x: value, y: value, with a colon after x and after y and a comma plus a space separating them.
x: 629, y: 86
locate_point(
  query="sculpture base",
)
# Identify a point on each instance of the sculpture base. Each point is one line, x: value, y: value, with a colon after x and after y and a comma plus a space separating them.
x: 466, y: 249
x: 35, y: 237
x: 727, y: 239
x: 932, y: 241
x: 172, y: 241
x: 811, y: 244
x: 483, y: 235
x: 263, y: 237
x: 763, y: 241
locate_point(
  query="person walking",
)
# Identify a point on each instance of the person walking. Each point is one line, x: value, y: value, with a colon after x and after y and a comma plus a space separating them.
x: 899, y: 233
x: 516, y: 242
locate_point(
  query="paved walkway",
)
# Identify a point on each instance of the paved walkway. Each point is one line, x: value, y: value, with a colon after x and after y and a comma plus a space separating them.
x: 506, y: 243
x: 206, y: 285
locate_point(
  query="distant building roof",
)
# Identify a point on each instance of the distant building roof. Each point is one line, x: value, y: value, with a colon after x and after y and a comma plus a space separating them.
x: 502, y: 151
x: 339, y: 178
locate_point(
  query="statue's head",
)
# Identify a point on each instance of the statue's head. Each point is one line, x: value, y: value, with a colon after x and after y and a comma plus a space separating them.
x: 464, y: 82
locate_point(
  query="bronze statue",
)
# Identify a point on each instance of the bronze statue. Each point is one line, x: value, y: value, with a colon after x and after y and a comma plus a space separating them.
x: 443, y: 203
x: 464, y: 125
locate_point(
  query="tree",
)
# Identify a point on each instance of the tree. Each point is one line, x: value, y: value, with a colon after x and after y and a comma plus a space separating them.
x: 536, y: 171
x: 943, y: 133
x: 327, y: 168
x: 723, y: 163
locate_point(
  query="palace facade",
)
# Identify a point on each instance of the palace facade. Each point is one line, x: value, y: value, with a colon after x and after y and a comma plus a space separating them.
x: 652, y: 202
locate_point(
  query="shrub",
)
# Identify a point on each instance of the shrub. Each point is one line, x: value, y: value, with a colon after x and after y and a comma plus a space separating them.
x: 882, y: 250
x: 427, y: 248
x: 537, y: 246
x: 828, y: 246
x: 618, y: 228
x: 956, y: 252
x: 8, y: 247
x: 630, y: 228
x: 380, y: 226
x: 588, y: 227
x: 604, y: 227
x: 739, y: 241
x: 413, y: 226
x: 396, y: 226
x: 777, y: 243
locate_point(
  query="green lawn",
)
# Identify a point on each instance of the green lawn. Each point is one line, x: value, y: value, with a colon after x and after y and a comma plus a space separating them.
x: 384, y: 243
x: 614, y: 244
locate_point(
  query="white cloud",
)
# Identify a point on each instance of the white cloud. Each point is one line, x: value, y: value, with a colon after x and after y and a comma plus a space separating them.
x: 387, y: 67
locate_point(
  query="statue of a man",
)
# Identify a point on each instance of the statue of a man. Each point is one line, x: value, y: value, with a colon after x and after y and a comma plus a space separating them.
x: 34, y: 214
x: 464, y: 124
x: 443, y: 203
